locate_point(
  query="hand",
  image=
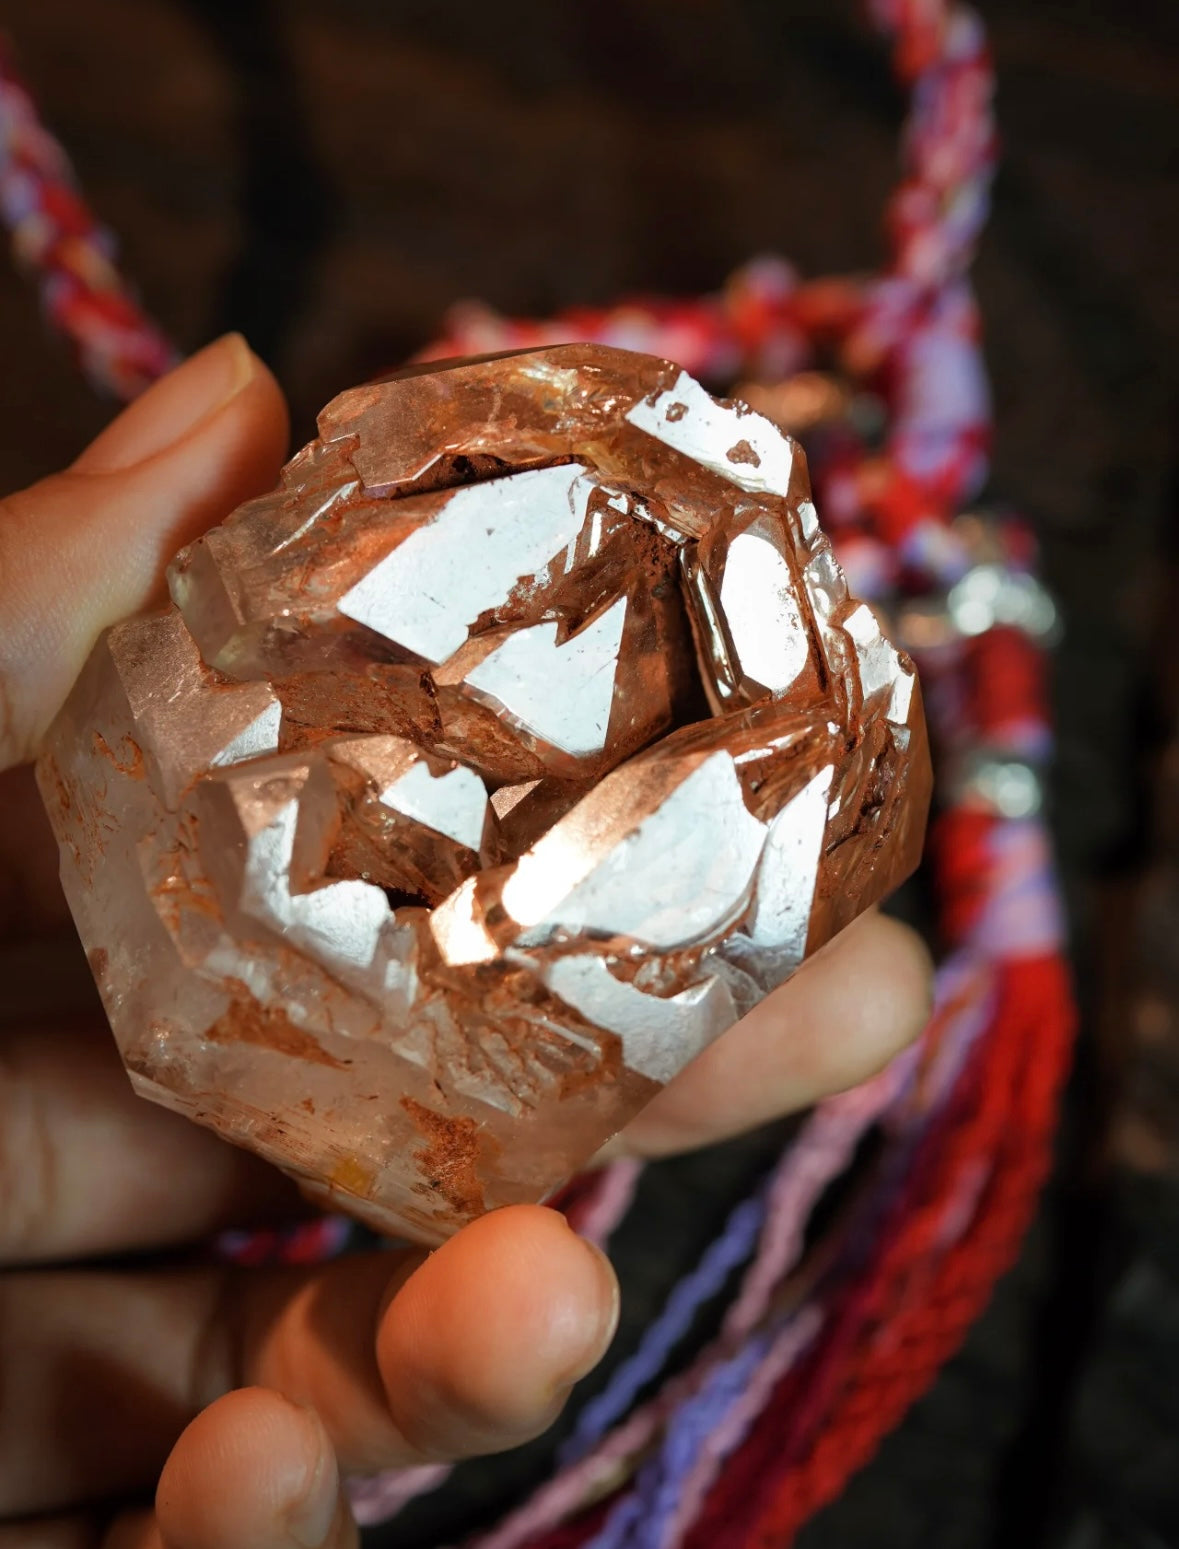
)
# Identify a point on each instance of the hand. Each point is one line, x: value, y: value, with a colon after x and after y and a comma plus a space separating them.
x: 246, y: 1394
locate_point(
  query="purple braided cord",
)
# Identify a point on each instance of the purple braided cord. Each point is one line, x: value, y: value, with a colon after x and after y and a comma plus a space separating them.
x: 731, y: 1249
x: 656, y: 1489
x: 705, y: 1428
x: 731, y: 1428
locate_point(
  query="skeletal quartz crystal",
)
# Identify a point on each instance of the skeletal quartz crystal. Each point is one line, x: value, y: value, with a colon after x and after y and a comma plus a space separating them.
x: 479, y: 777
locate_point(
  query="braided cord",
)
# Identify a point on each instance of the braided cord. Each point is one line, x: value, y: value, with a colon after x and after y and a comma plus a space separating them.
x: 71, y: 256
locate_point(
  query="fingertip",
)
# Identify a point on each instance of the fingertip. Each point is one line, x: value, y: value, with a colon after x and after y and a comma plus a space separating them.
x: 253, y: 1468
x: 173, y: 406
x: 230, y: 454
x: 211, y: 433
x: 856, y: 1005
x: 481, y: 1346
x: 907, y: 968
x: 881, y: 971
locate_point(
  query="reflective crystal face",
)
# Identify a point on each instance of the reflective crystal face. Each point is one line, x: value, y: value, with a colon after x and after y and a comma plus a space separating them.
x: 479, y: 777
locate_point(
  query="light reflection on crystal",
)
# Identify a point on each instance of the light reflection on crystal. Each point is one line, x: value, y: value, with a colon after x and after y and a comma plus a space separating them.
x: 482, y: 541
x: 561, y: 692
x: 770, y: 640
x: 741, y: 446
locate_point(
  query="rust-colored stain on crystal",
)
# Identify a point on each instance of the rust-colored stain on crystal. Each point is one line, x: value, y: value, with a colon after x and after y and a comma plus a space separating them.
x: 60, y: 805
x: 99, y: 960
x: 175, y: 893
x: 130, y: 762
x: 744, y: 453
x: 77, y: 814
x: 248, y: 1022
x: 606, y: 1070
x: 449, y: 1157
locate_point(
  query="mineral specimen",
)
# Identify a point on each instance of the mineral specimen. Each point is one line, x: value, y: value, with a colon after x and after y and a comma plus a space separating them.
x: 479, y: 777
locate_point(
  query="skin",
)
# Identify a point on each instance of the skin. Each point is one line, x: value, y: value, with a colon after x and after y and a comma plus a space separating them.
x: 241, y: 1398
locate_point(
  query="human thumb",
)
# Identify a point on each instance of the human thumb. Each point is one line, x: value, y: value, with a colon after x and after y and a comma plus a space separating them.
x: 88, y: 547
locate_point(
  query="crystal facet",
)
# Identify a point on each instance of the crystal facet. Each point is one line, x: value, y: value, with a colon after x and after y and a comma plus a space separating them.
x: 404, y: 845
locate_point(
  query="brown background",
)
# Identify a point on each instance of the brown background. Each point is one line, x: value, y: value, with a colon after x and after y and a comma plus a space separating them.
x: 330, y: 175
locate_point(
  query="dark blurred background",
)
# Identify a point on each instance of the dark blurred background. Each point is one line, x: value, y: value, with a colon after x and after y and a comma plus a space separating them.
x: 329, y: 175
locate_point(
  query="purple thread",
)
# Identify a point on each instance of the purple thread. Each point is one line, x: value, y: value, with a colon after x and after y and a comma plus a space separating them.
x: 613, y: 1198
x: 735, y: 1244
x: 731, y: 1429
x: 383, y: 1496
x: 658, y: 1483
x: 822, y: 1149
x: 1023, y: 916
x: 618, y: 1524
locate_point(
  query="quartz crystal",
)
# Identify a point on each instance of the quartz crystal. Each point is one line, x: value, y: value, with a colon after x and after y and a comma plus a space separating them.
x: 479, y: 777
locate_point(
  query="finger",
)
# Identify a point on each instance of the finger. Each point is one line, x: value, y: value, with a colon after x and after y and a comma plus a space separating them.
x: 88, y: 1167
x: 840, y: 1019
x: 470, y: 1370
x: 75, y: 1532
x: 130, y: 1530
x: 469, y: 1350
x: 403, y: 1356
x: 89, y: 546
x: 253, y: 1471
